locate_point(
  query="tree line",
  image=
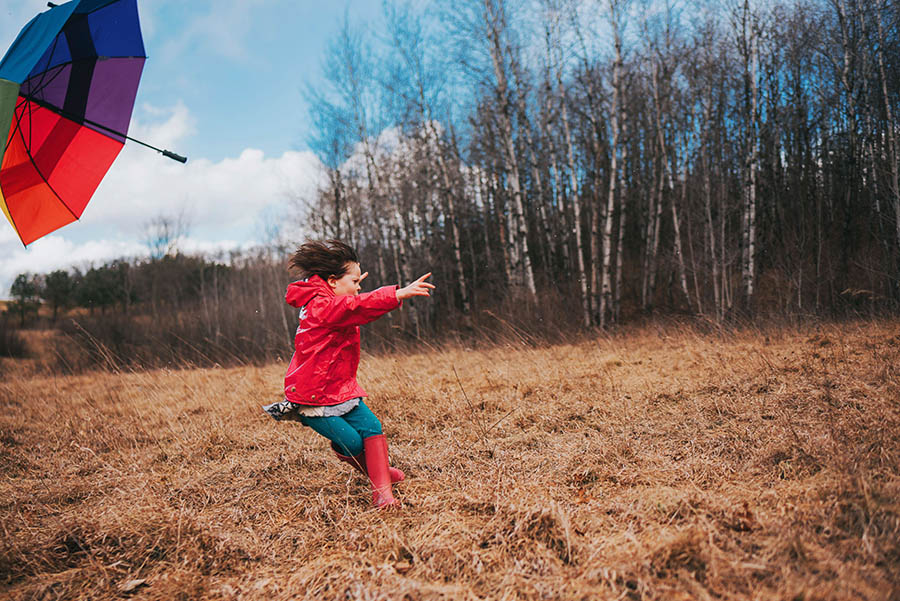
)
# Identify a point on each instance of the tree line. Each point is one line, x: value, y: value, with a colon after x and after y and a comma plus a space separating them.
x: 169, y: 310
x: 117, y: 286
x: 720, y: 159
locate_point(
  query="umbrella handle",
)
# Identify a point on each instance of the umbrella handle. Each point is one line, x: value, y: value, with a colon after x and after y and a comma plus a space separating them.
x: 173, y: 156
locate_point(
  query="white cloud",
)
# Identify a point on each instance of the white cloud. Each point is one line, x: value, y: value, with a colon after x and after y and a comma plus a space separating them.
x: 225, y: 202
x: 54, y: 252
x: 228, y: 194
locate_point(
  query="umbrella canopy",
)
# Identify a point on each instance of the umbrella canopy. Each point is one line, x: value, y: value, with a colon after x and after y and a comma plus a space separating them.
x: 67, y: 90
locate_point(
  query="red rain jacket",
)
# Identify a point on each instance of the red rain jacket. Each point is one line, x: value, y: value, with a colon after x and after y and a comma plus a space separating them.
x: 326, y: 346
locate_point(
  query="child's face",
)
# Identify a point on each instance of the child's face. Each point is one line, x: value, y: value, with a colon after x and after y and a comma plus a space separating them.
x: 347, y: 284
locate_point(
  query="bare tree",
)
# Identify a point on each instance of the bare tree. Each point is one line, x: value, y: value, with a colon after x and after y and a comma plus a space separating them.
x: 496, y: 28
x: 747, y: 31
x: 554, y: 49
x: 164, y: 233
x: 417, y: 80
x: 616, y: 9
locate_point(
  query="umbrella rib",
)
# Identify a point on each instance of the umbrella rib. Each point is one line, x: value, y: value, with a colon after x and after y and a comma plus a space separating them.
x: 41, y: 84
x: 45, y: 71
x: 77, y: 119
x: 30, y: 134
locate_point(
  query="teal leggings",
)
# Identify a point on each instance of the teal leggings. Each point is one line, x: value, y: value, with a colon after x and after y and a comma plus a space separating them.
x: 346, y: 432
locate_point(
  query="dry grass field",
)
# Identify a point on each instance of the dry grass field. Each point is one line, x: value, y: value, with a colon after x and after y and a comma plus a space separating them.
x: 657, y: 464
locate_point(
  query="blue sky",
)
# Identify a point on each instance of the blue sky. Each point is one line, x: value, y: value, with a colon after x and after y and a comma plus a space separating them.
x: 223, y: 85
x: 240, y: 66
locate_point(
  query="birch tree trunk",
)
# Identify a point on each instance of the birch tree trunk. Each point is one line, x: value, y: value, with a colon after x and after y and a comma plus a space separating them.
x: 667, y: 171
x: 484, y: 193
x: 575, y: 197
x: 651, y: 236
x: 555, y: 228
x: 750, y: 51
x: 503, y: 232
x: 575, y: 202
x: 596, y: 213
x: 518, y: 230
x: 605, y: 280
x: 561, y: 222
x: 707, y: 202
x: 531, y: 144
x: 457, y: 253
x: 676, y: 225
x: 448, y: 195
x: 623, y: 212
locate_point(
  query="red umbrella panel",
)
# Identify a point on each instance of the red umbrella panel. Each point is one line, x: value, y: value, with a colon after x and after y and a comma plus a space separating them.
x: 75, y: 71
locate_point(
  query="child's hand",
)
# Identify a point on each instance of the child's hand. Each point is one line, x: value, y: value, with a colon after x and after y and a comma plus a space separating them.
x: 418, y: 288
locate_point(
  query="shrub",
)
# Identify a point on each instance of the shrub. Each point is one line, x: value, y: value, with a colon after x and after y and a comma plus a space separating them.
x: 116, y: 341
x: 11, y: 342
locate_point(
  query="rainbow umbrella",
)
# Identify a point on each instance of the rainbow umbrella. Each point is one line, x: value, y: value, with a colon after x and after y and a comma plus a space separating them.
x: 67, y: 90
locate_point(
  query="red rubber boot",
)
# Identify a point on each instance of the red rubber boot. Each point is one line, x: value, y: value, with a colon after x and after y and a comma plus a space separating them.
x: 376, y: 452
x: 359, y: 462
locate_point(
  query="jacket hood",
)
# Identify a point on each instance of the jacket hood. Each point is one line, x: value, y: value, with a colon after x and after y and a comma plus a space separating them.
x: 300, y: 293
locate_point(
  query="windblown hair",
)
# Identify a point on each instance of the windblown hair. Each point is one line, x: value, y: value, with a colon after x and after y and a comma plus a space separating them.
x: 323, y: 258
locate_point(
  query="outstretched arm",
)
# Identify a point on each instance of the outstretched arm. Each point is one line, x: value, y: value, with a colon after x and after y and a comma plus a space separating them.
x: 346, y: 310
x: 418, y: 288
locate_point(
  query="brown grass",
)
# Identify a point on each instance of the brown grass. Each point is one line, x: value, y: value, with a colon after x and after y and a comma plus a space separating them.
x: 662, y: 464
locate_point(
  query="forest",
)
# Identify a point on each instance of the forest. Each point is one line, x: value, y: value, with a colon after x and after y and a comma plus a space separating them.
x: 710, y: 158
x: 562, y: 166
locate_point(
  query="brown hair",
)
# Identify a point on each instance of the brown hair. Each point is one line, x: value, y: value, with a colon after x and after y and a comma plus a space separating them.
x: 323, y: 258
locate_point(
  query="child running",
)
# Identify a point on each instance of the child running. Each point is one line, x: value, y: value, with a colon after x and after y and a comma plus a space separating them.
x: 320, y: 386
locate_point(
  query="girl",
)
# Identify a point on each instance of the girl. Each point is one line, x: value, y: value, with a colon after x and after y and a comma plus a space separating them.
x: 320, y: 386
